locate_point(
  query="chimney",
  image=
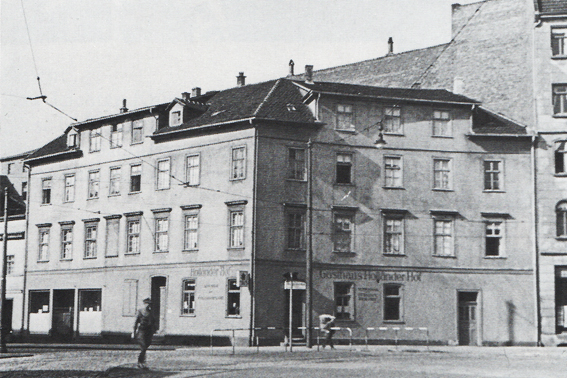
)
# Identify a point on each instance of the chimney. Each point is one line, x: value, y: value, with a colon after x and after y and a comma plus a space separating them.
x: 291, y: 64
x: 241, y: 79
x: 186, y: 95
x: 123, y: 109
x: 196, y: 92
x: 309, y: 74
x: 390, y: 46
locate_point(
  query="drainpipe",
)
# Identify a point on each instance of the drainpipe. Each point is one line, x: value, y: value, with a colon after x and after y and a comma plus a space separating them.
x: 535, y: 238
x: 26, y: 247
x: 252, y: 281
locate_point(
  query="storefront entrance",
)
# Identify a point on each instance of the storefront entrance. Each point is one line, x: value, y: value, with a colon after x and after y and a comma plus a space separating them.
x: 159, y: 285
x: 298, y: 312
x: 468, y: 318
x: 560, y: 299
x: 63, y: 310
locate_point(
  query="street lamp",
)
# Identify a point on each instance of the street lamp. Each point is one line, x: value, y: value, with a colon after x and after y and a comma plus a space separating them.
x: 380, y: 142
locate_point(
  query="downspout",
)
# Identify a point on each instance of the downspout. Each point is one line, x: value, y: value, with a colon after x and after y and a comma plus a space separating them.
x: 252, y: 281
x: 26, y: 246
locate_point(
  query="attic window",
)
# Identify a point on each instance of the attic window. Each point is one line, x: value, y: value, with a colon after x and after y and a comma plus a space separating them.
x: 175, y: 118
x: 73, y: 139
x: 291, y: 108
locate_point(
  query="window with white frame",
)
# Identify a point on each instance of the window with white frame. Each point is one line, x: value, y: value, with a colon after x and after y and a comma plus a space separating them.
x: 193, y: 170
x: 492, y: 175
x: 188, y: 300
x: 442, y: 174
x: 175, y: 118
x: 46, y: 191
x: 73, y: 139
x: 393, y: 234
x: 344, y: 168
x: 443, y: 237
x: 191, y: 232
x: 9, y: 264
x: 561, y: 219
x: 559, y: 99
x: 344, y: 300
x: 393, y: 171
x: 494, y: 238
x: 297, y: 167
x: 112, y: 235
x: 137, y: 131
x: 161, y: 233
x: 295, y: 228
x: 442, y: 123
x: 69, y: 188
x: 91, y: 231
x: 238, y: 164
x: 163, y: 174
x: 66, y: 242
x: 114, y: 186
x: 392, y: 120
x: 95, y: 139
x: 558, y: 41
x: 43, y: 247
x: 94, y: 184
x: 133, y: 228
x: 135, y: 178
x: 236, y: 228
x: 343, y: 230
x: 561, y: 158
x: 233, y: 298
x: 393, y: 302
x: 345, y: 117
x: 116, y: 135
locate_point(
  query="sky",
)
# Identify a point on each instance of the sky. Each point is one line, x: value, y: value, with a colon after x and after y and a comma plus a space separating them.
x: 90, y: 55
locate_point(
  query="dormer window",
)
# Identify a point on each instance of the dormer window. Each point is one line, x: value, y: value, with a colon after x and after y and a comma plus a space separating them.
x: 175, y: 118
x: 73, y: 139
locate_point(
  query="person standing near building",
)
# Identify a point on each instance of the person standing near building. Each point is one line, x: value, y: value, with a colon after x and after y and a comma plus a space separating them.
x: 327, y: 322
x: 144, y: 329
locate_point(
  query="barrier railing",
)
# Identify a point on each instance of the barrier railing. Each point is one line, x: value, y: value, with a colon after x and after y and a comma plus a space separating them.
x: 396, y: 333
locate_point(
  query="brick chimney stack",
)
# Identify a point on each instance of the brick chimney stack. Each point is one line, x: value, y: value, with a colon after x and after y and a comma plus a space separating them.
x: 196, y: 92
x: 123, y: 109
x: 309, y: 74
x: 241, y: 79
x: 390, y: 46
x: 186, y: 96
x: 291, y: 65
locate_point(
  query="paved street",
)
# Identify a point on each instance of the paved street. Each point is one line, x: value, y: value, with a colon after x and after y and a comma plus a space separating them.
x: 382, y: 361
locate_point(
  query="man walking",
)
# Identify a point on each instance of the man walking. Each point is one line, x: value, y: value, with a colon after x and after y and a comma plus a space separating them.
x: 327, y: 322
x: 144, y: 329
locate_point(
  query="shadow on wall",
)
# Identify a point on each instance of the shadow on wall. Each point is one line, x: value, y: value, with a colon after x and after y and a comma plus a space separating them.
x: 511, y: 319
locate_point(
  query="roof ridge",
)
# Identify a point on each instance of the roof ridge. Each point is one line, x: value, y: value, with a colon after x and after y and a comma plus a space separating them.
x: 267, y: 97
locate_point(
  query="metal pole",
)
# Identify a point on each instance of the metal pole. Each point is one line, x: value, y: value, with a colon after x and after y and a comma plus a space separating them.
x: 309, y: 257
x: 291, y: 314
x: 3, y: 286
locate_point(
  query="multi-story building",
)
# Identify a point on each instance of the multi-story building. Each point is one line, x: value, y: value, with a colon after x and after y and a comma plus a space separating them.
x: 205, y: 203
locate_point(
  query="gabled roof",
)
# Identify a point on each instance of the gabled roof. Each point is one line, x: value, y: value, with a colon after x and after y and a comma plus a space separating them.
x: 56, y: 147
x: 396, y: 70
x: 488, y: 122
x: 551, y: 7
x: 406, y: 94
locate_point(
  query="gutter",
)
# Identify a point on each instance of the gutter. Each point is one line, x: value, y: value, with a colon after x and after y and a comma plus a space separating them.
x: 39, y: 158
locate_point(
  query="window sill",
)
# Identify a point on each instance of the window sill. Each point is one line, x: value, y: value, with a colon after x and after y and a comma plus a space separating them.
x: 563, y: 174
x: 493, y: 191
x: 92, y: 198
x: 445, y: 257
x: 344, y: 184
x: 190, y: 250
x: 442, y: 136
x: 45, y: 204
x: 159, y: 190
x: 394, y: 187
x: 561, y: 238
x: 89, y: 258
x: 560, y: 115
x: 68, y: 201
x: 237, y: 179
x: 442, y: 190
x: 559, y: 57
x: 345, y: 254
x: 294, y: 250
x: 394, y: 254
x: 394, y: 134
x: 346, y: 131
x: 161, y: 251
x: 134, y: 143
x: 394, y: 322
x: 495, y: 257
x: 236, y: 248
x: 91, y: 152
x: 114, y: 195
x: 111, y: 257
x: 65, y: 260
x: 132, y: 254
x: 295, y: 180
x: 233, y: 316
x: 138, y: 192
x: 188, y: 315
x: 42, y: 261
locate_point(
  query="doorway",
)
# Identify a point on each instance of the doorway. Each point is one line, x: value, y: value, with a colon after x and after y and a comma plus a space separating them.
x: 63, y: 310
x: 560, y: 299
x: 468, y: 317
x: 7, y: 316
x: 298, y: 312
x: 159, y: 307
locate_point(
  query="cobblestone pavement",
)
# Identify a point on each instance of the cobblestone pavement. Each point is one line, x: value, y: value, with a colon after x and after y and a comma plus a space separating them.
x: 383, y: 361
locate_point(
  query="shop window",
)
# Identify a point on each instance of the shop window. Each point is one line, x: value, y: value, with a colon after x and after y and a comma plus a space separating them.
x: 492, y: 175
x: 39, y: 302
x: 188, y: 297
x: 163, y: 174
x: 494, y: 239
x: 392, y: 121
x: 344, y: 300
x: 135, y: 178
x: 442, y: 123
x: 345, y: 118
x: 344, y: 168
x: 442, y: 174
x: 561, y: 214
x: 393, y: 171
x: 90, y: 300
x: 392, y: 302
x: 46, y: 191
x: 297, y: 167
x: 233, y: 298
x: 193, y: 170
x: 238, y: 164
x: 129, y: 297
x: 561, y: 158
x: 343, y: 230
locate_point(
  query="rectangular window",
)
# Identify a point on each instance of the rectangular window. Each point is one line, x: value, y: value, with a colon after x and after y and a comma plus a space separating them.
x: 393, y: 235
x: 492, y: 173
x: 345, y: 118
x: 175, y: 118
x: 344, y: 168
x: 236, y: 229
x: 494, y: 239
x: 43, y: 250
x: 112, y: 236
x: 69, y: 188
x: 162, y: 234
x: 46, y: 191
x: 233, y: 298
x: 191, y: 240
x: 138, y: 131
x: 559, y: 99
x: 344, y: 300
x: 392, y: 121
x: 558, y: 41
x: 24, y: 190
x: 9, y: 264
x: 94, y: 184
x: 393, y: 171
x: 443, y: 237
x: 343, y: 231
x: 442, y: 175
x: 392, y: 302
x: 238, y: 163
x: 10, y: 168
x: 561, y: 219
x: 129, y: 297
x: 95, y: 138
x: 90, y: 240
x: 188, y: 297
x: 561, y: 158
x: 39, y: 302
x: 163, y: 174
x: 114, y: 186
x: 116, y: 135
x: 135, y: 178
x: 297, y: 164
x: 193, y: 170
x: 133, y: 228
x: 90, y: 300
x: 67, y: 242
x: 296, y: 229
x: 442, y: 123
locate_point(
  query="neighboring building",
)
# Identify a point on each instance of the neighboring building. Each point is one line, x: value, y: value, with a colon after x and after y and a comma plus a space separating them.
x: 186, y: 202
x: 509, y: 54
